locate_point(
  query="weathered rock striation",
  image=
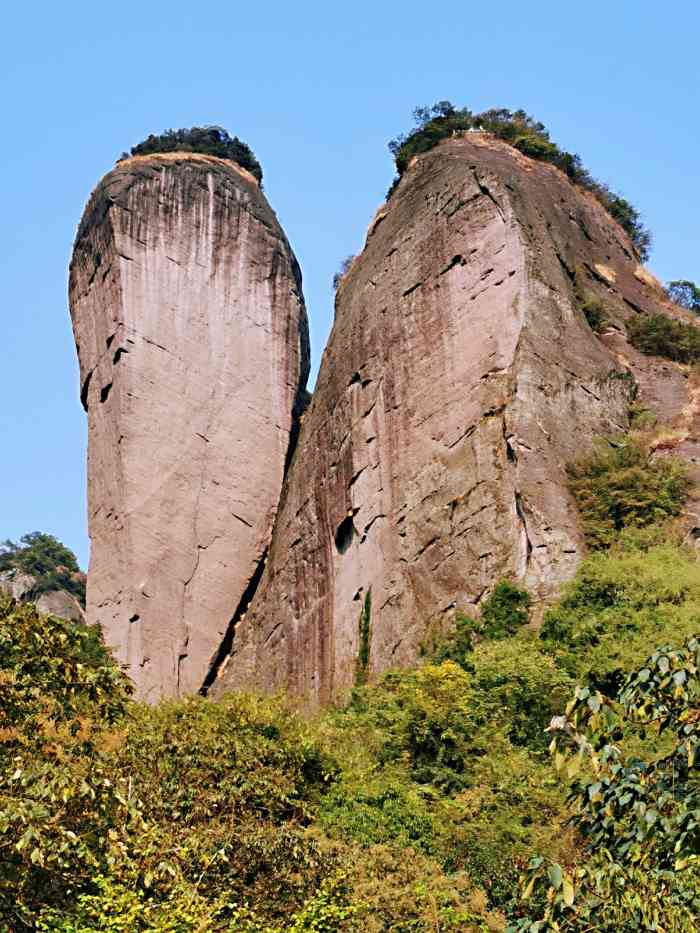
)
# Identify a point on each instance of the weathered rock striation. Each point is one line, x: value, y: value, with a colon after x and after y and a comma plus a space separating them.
x: 460, y: 378
x: 192, y: 339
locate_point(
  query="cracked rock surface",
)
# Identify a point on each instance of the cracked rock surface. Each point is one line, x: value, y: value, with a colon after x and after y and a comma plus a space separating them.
x: 192, y: 339
x: 460, y: 378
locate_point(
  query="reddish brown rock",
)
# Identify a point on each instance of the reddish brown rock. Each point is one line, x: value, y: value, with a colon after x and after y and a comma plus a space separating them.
x: 460, y: 378
x: 192, y: 338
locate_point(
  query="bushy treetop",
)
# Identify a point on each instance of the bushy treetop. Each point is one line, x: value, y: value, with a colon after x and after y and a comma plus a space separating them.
x: 43, y: 556
x: 524, y: 133
x: 208, y: 140
x: 686, y: 294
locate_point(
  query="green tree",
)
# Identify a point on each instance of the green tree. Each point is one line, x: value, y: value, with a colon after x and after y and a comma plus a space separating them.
x: 61, y: 817
x: 43, y: 556
x: 529, y: 136
x: 634, y: 763
x: 686, y: 294
x: 209, y: 140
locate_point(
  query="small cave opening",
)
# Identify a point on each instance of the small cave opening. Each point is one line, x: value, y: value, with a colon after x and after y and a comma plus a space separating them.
x: 104, y: 392
x: 344, y: 534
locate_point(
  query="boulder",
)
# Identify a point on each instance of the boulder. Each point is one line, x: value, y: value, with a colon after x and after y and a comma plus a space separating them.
x: 20, y: 586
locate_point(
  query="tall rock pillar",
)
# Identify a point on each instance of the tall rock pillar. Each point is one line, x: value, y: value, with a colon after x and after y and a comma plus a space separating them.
x: 192, y: 339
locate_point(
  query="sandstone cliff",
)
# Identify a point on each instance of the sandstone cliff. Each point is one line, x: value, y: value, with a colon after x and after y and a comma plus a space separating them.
x: 192, y: 340
x: 460, y: 377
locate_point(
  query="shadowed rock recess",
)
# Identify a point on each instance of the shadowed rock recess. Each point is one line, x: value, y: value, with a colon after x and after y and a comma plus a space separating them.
x: 192, y: 339
x: 460, y: 377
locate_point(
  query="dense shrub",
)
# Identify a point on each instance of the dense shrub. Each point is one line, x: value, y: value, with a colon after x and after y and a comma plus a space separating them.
x: 659, y: 335
x: 620, y: 605
x: 619, y: 486
x: 503, y: 613
x: 505, y: 610
x: 414, y: 807
x: 595, y: 313
x: 61, y: 816
x: 209, y: 140
x: 526, y: 134
x: 53, y: 564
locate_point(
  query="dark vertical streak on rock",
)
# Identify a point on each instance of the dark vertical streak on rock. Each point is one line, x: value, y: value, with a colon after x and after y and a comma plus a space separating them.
x: 226, y: 645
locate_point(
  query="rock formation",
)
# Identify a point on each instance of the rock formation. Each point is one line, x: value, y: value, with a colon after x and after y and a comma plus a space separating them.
x: 192, y: 340
x: 460, y: 377
x: 57, y: 602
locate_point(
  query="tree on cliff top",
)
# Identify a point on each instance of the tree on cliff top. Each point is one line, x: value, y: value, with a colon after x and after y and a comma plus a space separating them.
x: 686, y: 294
x: 208, y: 140
x: 524, y: 133
x: 53, y: 564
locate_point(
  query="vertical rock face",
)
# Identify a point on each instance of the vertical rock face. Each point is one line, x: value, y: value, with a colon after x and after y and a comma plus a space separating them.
x: 192, y: 339
x: 460, y: 378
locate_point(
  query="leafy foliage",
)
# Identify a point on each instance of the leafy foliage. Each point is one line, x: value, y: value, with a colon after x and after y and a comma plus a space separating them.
x: 45, y: 557
x: 209, y: 140
x: 659, y: 335
x: 413, y: 808
x: 620, y: 486
x: 686, y: 294
x: 61, y: 817
x: 524, y: 133
x: 365, y: 633
x: 618, y: 607
x: 638, y: 811
x: 503, y: 613
x: 505, y: 610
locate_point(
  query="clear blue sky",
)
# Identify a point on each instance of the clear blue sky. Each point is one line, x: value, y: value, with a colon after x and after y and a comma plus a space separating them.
x: 316, y: 89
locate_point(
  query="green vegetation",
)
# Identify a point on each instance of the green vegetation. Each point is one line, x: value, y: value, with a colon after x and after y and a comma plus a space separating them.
x: 686, y: 294
x: 428, y: 801
x: 365, y: 632
x: 640, y: 815
x: 53, y: 564
x: 659, y: 335
x: 503, y: 613
x: 524, y: 133
x: 595, y: 313
x: 619, y: 486
x: 209, y: 140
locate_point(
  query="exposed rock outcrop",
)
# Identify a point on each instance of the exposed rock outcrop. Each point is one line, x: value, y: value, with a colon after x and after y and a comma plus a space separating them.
x: 57, y: 602
x: 460, y: 378
x: 192, y: 338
